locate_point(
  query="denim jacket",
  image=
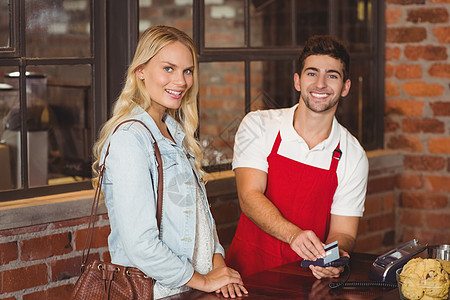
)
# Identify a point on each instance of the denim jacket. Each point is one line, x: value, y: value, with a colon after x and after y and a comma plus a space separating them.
x: 130, y: 189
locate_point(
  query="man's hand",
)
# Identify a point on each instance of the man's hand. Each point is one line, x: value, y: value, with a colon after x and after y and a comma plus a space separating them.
x: 307, y: 245
x: 328, y: 272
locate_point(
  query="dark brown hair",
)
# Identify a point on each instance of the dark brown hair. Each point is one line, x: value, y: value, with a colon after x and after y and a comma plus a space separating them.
x: 325, y: 45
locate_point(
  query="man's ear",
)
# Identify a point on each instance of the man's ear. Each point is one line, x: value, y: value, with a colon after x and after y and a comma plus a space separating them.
x: 297, y: 82
x: 346, y: 88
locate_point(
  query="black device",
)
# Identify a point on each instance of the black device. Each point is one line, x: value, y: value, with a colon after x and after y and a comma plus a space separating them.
x: 384, y: 267
x: 342, y: 261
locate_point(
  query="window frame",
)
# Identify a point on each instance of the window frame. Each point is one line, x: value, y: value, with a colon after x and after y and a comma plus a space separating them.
x: 97, y: 61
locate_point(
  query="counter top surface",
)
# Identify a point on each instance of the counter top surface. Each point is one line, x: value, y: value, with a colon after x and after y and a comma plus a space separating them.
x: 291, y: 281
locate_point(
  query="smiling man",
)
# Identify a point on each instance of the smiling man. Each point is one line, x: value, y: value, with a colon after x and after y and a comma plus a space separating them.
x: 301, y: 176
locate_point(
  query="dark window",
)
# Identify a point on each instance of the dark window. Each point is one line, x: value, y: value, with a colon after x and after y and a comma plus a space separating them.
x: 47, y: 92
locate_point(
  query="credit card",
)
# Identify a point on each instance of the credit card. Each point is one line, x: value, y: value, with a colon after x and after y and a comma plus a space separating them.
x: 331, y: 252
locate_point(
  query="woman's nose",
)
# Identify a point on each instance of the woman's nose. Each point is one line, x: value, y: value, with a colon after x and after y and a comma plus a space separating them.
x: 180, y: 79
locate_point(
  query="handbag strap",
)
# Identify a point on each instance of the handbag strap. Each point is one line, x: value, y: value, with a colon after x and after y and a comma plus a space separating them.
x: 95, y: 203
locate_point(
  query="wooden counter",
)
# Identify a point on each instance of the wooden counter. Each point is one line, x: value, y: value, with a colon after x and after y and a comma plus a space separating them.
x: 291, y: 281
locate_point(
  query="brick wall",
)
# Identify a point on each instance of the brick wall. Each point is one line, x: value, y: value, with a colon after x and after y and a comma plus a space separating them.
x: 418, y: 115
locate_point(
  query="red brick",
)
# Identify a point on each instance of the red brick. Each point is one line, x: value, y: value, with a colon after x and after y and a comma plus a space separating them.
x: 391, y: 89
x: 405, y: 142
x: 415, y: 125
x: 46, y: 246
x: 430, y: 15
x: 412, y: 218
x: 380, y: 222
x: 367, y: 243
x: 9, y: 298
x: 379, y: 185
x: 24, y: 278
x: 440, y: 108
x: 70, y: 223
x: 438, y: 220
x: 373, y: 205
x: 392, y: 16
x: 426, y: 52
x: 439, y: 1
x: 389, y: 70
x: 425, y: 236
x: 390, y: 125
x: 404, y: 107
x: 392, y: 53
x: 406, y: 71
x: 233, y: 78
x: 65, y: 268
x: 442, y: 34
x: 23, y: 230
x: 439, y: 145
x: 409, y: 181
x: 8, y: 252
x: 54, y: 293
x: 423, y: 200
x: 99, y: 240
x: 440, y: 70
x: 424, y: 163
x: 405, y: 34
x: 437, y: 183
x: 422, y: 89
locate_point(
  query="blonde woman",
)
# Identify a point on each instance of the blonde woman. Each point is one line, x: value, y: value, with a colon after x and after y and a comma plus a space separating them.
x: 161, y: 91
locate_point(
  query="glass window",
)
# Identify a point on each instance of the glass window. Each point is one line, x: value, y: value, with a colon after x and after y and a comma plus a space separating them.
x: 5, y: 24
x: 172, y: 13
x: 221, y: 106
x: 272, y: 85
x: 224, y: 23
x: 270, y: 23
x: 56, y: 28
x: 46, y: 99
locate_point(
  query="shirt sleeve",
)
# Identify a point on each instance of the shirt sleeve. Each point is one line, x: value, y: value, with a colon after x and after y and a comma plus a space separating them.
x: 250, y: 149
x: 350, y: 195
x: 134, y: 209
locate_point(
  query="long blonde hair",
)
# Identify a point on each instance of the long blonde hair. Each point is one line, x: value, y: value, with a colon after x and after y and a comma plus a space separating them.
x: 135, y: 94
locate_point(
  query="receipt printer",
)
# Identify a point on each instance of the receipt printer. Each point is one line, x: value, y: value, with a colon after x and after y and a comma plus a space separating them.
x: 384, y: 267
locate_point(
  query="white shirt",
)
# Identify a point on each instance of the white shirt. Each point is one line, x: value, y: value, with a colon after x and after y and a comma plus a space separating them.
x: 255, y: 138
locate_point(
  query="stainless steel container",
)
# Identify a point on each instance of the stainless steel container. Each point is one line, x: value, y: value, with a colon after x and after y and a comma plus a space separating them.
x: 439, y: 252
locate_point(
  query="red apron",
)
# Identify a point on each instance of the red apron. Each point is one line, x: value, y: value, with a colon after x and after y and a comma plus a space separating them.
x: 303, y: 194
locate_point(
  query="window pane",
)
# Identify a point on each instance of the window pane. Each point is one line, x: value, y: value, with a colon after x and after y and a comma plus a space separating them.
x: 272, y: 85
x: 355, y: 111
x: 221, y: 105
x: 270, y: 23
x: 64, y: 114
x: 170, y: 12
x: 224, y: 23
x: 350, y: 20
x: 58, y: 28
x: 9, y: 132
x: 5, y: 24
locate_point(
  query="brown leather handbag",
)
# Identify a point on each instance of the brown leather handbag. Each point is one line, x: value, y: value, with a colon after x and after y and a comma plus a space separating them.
x: 106, y: 281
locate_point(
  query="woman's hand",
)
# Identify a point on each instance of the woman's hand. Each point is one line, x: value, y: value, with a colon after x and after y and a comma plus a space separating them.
x: 230, y: 290
x: 221, y: 279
